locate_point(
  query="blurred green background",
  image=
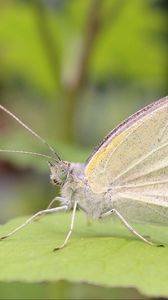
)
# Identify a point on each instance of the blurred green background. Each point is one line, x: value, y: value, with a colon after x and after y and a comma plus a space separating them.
x: 71, y: 70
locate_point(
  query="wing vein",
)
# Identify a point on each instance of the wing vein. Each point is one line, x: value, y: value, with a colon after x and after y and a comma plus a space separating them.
x: 141, y: 184
x: 142, y: 159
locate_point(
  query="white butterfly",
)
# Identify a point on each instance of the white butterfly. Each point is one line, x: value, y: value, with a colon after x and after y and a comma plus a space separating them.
x: 126, y: 175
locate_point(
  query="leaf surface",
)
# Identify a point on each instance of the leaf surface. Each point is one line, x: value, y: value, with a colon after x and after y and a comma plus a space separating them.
x: 101, y: 253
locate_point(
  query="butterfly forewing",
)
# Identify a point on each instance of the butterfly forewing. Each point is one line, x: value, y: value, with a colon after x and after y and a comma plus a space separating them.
x: 133, y: 165
x: 139, y: 151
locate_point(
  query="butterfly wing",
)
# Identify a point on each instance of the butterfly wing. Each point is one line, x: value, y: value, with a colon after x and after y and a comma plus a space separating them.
x: 132, y: 161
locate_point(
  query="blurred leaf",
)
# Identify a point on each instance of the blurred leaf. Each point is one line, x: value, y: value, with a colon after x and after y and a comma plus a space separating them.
x: 129, y: 47
x: 21, y: 47
x: 103, y: 254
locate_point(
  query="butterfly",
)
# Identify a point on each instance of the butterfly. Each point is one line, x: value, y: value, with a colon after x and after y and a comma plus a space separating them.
x: 126, y: 175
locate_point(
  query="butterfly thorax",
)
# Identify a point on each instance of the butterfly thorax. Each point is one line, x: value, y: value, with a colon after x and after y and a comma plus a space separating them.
x: 75, y: 187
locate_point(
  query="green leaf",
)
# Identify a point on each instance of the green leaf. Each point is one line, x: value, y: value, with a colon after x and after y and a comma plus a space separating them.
x: 103, y: 254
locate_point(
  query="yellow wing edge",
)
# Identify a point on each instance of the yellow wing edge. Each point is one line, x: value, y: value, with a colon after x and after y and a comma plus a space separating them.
x: 105, y: 150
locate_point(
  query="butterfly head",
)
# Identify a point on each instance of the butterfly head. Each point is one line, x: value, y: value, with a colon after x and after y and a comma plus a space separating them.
x: 59, y: 172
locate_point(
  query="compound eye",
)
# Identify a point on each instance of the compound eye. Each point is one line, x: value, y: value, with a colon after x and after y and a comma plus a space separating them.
x: 63, y: 175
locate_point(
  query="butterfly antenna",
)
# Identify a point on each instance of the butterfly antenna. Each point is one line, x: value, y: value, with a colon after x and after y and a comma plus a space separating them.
x: 28, y: 152
x: 30, y: 130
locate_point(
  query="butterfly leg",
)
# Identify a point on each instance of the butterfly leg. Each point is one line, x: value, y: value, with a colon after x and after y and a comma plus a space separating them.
x: 57, y: 199
x: 71, y: 228
x: 129, y: 227
x: 31, y: 219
